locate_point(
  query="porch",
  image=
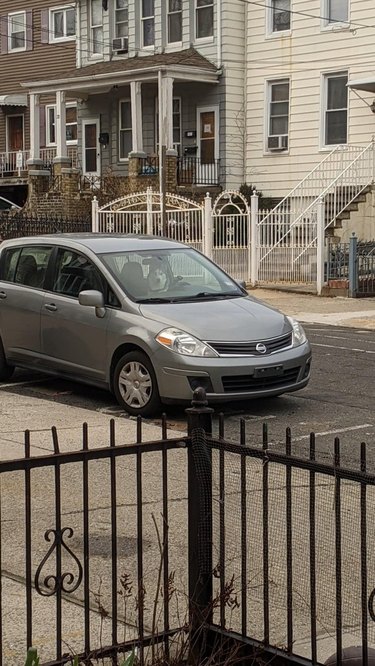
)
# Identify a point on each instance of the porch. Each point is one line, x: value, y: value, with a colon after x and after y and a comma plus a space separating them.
x: 135, y: 117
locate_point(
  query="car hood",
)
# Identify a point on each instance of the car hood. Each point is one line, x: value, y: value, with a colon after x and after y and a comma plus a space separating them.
x: 233, y: 320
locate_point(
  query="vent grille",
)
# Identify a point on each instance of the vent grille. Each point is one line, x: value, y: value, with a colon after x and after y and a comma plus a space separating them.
x: 249, y: 348
x: 246, y: 383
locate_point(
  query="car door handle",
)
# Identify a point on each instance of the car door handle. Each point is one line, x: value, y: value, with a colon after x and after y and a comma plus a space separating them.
x: 3, y: 294
x: 51, y: 307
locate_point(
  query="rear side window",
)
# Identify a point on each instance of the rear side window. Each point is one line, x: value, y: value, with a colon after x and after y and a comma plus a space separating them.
x: 32, y: 266
x: 75, y: 273
x: 8, y: 264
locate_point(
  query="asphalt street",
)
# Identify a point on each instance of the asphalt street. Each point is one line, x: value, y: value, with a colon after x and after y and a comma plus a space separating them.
x: 338, y: 402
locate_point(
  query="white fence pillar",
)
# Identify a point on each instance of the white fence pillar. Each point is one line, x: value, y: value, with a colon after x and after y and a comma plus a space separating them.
x: 95, y: 215
x: 253, y: 239
x: 207, y: 227
x: 149, y: 225
x: 320, y: 245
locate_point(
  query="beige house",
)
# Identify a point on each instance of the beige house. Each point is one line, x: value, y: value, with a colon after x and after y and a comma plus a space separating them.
x: 310, y: 86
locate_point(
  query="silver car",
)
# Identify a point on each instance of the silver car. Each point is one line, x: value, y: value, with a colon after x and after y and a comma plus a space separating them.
x: 148, y: 318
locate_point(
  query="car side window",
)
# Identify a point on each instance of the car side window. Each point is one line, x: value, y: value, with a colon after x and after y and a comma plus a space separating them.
x: 32, y: 266
x: 8, y: 264
x: 75, y: 273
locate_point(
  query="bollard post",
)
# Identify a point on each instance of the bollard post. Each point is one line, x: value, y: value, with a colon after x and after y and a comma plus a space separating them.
x: 353, y: 264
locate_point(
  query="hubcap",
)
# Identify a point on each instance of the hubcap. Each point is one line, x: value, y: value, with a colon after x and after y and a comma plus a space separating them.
x: 135, y: 384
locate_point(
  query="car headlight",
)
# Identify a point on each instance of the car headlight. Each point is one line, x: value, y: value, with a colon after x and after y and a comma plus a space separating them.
x: 299, y: 335
x: 183, y: 343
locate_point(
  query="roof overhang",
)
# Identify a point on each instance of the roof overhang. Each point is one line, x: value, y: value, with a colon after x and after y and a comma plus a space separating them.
x: 13, y: 100
x: 368, y: 85
x: 101, y: 82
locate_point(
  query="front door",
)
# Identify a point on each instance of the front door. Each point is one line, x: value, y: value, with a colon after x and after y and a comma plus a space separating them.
x: 91, y: 147
x: 207, y: 146
x: 15, y: 133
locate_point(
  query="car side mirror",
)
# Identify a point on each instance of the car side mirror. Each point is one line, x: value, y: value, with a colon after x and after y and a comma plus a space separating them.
x: 94, y: 299
x: 241, y: 283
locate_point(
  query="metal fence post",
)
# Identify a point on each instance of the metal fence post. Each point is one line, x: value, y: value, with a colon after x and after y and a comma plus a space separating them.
x: 95, y: 215
x: 353, y: 272
x: 320, y: 222
x: 149, y: 225
x: 200, y: 511
x: 207, y: 226
x: 253, y: 239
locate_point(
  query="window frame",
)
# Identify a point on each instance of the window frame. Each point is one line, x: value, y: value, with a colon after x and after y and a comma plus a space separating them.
x: 326, y: 24
x: 267, y: 124
x: 143, y: 20
x: 207, y: 38
x: 271, y: 32
x: 65, y: 38
x: 174, y: 13
x: 95, y: 54
x: 48, y: 107
x: 116, y: 23
x: 18, y: 49
x: 123, y: 100
x: 326, y: 76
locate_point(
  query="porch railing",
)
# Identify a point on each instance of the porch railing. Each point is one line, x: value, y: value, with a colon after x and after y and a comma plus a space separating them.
x: 148, y: 166
x: 194, y: 171
x: 15, y: 161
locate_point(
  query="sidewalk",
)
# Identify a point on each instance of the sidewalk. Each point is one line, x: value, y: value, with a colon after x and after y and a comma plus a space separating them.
x: 311, y: 309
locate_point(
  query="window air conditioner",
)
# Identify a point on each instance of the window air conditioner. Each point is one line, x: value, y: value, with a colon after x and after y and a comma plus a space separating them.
x: 120, y: 44
x: 278, y: 143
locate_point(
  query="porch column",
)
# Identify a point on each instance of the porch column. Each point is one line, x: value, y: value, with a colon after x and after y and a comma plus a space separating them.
x: 61, y: 150
x: 165, y: 93
x: 136, y: 111
x: 34, y: 129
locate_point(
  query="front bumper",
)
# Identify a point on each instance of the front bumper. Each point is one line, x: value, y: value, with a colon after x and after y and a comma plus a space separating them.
x: 227, y: 379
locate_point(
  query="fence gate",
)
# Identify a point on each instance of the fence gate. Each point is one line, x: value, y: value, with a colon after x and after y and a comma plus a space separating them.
x: 141, y: 213
x: 231, y: 245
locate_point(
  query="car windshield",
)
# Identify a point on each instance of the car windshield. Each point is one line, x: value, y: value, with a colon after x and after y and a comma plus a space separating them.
x: 170, y: 276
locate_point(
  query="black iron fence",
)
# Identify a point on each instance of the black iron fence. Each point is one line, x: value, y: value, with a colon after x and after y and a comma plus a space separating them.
x: 16, y: 225
x: 148, y: 166
x: 355, y: 263
x: 185, y: 546
x: 194, y: 171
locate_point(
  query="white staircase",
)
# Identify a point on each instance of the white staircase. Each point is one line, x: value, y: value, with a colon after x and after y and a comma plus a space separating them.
x: 291, y: 235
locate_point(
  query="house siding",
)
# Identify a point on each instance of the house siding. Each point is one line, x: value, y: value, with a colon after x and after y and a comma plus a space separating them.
x: 47, y: 60
x: 303, y: 57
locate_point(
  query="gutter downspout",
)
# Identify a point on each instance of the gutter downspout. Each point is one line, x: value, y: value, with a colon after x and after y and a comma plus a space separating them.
x: 219, y: 35
x: 78, y: 36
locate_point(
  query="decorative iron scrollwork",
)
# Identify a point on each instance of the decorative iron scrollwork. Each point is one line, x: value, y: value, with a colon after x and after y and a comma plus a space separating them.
x: 64, y: 582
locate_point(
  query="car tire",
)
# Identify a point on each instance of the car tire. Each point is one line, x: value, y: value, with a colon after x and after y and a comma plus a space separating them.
x: 135, y: 385
x: 6, y: 370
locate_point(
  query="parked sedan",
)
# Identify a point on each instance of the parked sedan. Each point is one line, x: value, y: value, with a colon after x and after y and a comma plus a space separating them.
x: 148, y: 318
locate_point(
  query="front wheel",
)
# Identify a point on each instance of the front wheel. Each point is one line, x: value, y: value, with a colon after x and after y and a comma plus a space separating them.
x: 135, y: 385
x: 6, y: 370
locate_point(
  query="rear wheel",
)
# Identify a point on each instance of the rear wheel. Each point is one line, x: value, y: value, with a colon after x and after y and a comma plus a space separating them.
x: 135, y: 385
x: 6, y: 370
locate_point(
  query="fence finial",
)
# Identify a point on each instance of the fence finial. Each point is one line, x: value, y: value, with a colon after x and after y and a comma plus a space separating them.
x: 199, y: 397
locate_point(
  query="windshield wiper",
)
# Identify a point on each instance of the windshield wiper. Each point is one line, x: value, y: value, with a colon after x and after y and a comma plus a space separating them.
x: 154, y: 300
x: 211, y: 295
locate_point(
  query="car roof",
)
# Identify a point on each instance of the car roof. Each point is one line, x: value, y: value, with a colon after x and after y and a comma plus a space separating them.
x: 100, y: 243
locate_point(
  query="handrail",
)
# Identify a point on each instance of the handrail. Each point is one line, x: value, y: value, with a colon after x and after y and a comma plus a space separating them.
x: 313, y: 203
x: 334, y: 151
